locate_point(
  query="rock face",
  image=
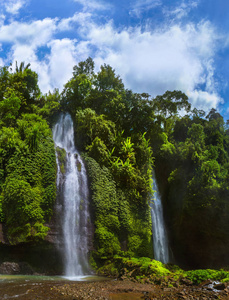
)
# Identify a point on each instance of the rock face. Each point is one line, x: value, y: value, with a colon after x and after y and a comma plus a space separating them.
x: 43, y: 258
x: 2, y: 235
x: 9, y: 268
x: 27, y: 259
x: 220, y: 286
x: 198, y: 237
x: 12, y: 268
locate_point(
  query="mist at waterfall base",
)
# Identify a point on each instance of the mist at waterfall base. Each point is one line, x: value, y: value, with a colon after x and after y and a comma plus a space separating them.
x: 72, y: 202
x: 160, y: 239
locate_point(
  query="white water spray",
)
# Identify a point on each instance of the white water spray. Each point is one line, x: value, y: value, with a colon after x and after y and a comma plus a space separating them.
x: 73, y: 189
x: 160, y: 239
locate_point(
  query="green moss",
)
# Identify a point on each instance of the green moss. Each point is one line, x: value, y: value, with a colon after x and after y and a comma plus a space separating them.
x: 107, y: 242
x: 118, y: 220
x: 92, y: 262
x: 137, y: 268
x: 27, y: 233
x: 109, y: 270
x: 29, y: 192
x: 61, y: 154
x: 197, y: 276
x: 79, y: 166
x: 157, y: 272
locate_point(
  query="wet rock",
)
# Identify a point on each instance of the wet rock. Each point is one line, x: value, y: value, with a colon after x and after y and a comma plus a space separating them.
x: 186, y: 281
x: 205, y: 283
x: 9, y: 268
x: 219, y: 286
x: 79, y: 166
x: 12, y: 268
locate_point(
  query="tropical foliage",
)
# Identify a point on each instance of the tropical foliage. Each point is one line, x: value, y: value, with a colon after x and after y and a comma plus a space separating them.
x: 27, y: 157
x: 123, y: 135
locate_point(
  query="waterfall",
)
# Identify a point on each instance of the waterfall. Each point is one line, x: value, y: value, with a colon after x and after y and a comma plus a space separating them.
x: 160, y: 239
x: 72, y: 189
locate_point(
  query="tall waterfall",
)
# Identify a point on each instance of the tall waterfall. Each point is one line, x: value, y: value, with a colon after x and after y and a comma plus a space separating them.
x: 73, y: 193
x: 160, y: 239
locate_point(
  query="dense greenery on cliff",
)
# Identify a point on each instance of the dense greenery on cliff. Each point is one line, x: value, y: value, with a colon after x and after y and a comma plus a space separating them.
x: 121, y: 132
x: 27, y: 157
x: 123, y: 135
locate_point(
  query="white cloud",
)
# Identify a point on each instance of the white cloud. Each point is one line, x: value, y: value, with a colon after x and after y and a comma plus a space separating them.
x: 13, y: 6
x: 56, y: 69
x: 21, y: 53
x: 61, y: 61
x: 36, y: 33
x: 92, y: 5
x: 26, y: 39
x: 2, y: 19
x: 150, y: 61
x: 78, y: 18
x: 181, y: 10
x: 204, y: 100
x: 144, y: 5
x: 155, y: 61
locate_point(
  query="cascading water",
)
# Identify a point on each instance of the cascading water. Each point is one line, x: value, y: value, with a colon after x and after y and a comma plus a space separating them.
x: 160, y: 240
x: 73, y: 193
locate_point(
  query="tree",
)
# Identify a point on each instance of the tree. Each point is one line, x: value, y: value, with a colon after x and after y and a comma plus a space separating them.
x: 84, y: 67
x: 75, y: 93
x: 106, y: 79
x: 170, y: 103
x: 167, y: 107
x: 22, y: 67
x: 24, y: 82
x: 9, y: 108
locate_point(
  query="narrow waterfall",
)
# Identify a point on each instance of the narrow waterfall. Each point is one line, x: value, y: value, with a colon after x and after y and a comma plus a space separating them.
x: 160, y: 239
x: 72, y: 188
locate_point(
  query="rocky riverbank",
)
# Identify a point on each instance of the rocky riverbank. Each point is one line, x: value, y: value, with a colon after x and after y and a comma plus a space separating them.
x: 111, y: 290
x: 131, y: 290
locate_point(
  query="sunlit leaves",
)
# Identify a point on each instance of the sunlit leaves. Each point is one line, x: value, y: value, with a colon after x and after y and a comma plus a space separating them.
x: 9, y: 108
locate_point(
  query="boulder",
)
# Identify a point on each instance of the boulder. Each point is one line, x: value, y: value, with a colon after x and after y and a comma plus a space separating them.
x: 13, y: 268
x: 9, y: 268
x: 220, y: 286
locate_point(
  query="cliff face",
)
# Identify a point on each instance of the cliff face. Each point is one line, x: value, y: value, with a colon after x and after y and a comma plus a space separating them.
x: 45, y: 257
x: 198, y: 235
x: 31, y: 258
x: 53, y: 235
x: 200, y: 241
x: 2, y: 236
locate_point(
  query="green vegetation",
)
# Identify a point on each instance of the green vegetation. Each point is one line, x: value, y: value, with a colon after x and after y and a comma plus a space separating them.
x: 198, y: 276
x: 122, y: 135
x: 119, y: 168
x: 61, y: 153
x: 145, y: 269
x: 27, y: 157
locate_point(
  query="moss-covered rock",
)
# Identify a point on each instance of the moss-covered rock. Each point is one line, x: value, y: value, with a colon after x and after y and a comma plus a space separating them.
x: 79, y: 166
x: 29, y: 190
x: 120, y: 224
x: 62, y: 159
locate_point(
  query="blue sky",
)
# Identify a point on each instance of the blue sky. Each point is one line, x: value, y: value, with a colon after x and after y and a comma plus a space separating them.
x: 154, y: 45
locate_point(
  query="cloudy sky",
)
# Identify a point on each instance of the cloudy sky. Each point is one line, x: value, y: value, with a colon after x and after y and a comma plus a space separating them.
x: 154, y: 45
